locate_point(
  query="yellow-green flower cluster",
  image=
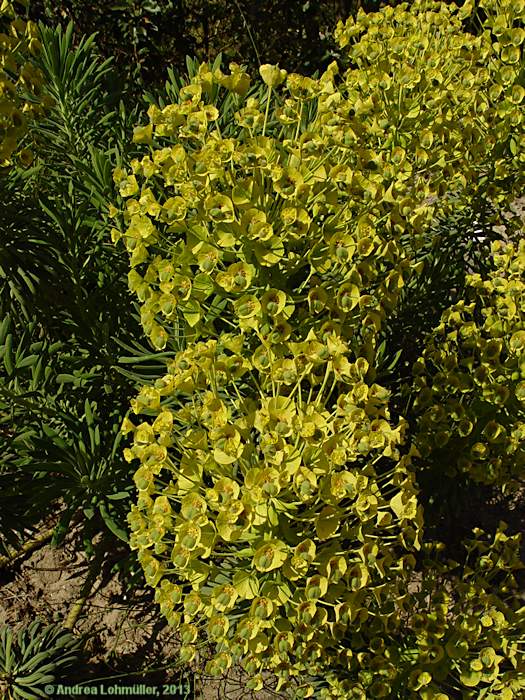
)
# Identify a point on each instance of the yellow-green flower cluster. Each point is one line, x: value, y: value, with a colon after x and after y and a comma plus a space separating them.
x: 447, y: 105
x: 272, y: 218
x: 20, y: 81
x: 321, y: 190
x: 460, y: 630
x: 472, y: 632
x: 277, y: 511
x: 289, y: 515
x: 470, y: 381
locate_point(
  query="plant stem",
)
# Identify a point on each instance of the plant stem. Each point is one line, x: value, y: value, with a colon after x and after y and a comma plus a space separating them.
x: 26, y: 548
x: 267, y: 109
x: 249, y: 31
x: 93, y: 572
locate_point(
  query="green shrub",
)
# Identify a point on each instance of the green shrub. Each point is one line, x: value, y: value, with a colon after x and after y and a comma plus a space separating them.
x: 62, y: 396
x: 469, y: 384
x: 278, y: 505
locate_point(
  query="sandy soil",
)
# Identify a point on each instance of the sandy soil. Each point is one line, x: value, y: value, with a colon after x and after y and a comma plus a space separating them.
x: 126, y: 639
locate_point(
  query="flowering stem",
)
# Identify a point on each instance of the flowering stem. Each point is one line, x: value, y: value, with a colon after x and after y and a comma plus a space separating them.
x: 26, y: 548
x: 323, y: 385
x: 299, y: 122
x: 249, y: 32
x: 267, y: 109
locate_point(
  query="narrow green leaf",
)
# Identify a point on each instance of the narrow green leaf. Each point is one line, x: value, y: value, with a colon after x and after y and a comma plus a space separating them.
x: 8, y: 354
x: 112, y: 525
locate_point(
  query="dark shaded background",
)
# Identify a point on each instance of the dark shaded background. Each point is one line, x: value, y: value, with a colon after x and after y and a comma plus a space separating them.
x: 147, y: 36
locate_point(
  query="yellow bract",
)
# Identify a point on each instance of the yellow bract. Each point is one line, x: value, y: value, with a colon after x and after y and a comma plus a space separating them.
x: 272, y: 75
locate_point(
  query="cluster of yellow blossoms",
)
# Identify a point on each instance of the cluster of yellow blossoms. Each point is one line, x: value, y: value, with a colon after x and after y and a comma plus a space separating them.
x: 259, y: 510
x: 277, y: 508
x: 20, y: 81
x: 470, y: 381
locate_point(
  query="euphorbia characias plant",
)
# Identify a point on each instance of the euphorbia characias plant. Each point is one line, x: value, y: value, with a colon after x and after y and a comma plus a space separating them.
x: 277, y: 504
x: 469, y: 385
